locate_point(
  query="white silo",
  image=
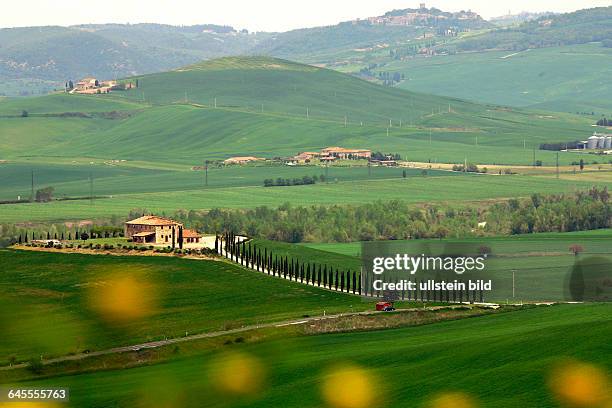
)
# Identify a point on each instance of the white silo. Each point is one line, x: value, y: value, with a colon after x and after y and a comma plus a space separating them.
x: 592, y: 142
x: 608, y: 144
x: 601, y: 143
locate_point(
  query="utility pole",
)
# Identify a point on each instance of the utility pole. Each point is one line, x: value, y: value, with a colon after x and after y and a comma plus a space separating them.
x: 513, y: 286
x: 90, y: 188
x: 206, y: 173
x: 327, y: 172
x: 369, y: 168
x: 430, y: 136
x: 215, y: 103
x: 534, y: 157
x: 307, y: 113
x: 557, y: 165
x: 345, y: 121
x: 32, y: 194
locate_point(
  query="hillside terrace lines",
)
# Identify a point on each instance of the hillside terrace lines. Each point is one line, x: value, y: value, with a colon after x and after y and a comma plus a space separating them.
x: 384, y: 124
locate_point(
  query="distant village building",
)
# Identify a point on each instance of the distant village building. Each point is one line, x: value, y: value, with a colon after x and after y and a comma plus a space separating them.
x: 329, y: 154
x: 151, y: 229
x: 342, y: 153
x: 92, y: 85
x: 241, y: 160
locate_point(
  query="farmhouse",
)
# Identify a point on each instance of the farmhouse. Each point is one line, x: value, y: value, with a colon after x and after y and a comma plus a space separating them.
x: 342, y: 153
x: 151, y: 229
x: 92, y: 85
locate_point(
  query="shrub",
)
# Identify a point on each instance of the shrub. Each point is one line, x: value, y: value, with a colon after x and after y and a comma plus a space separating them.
x: 35, y: 366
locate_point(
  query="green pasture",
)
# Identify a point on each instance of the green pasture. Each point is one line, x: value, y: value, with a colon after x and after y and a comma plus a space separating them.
x: 568, y: 79
x: 46, y: 307
x: 541, y: 263
x: 269, y: 107
x: 416, y: 189
x: 503, y: 360
x: 109, y: 178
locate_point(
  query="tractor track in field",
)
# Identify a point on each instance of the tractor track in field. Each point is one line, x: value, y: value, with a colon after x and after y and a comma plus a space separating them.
x: 162, y: 343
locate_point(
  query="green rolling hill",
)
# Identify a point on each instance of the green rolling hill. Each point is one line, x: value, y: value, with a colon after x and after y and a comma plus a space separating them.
x: 273, y: 107
x: 571, y: 78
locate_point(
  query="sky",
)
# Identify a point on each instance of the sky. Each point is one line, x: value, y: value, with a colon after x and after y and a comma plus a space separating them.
x: 254, y: 15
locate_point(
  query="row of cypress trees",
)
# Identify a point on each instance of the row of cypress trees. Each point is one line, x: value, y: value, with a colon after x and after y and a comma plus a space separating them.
x: 30, y: 236
x: 250, y: 256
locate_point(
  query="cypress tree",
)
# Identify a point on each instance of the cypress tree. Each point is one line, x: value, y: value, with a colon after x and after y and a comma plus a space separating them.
x: 336, y: 283
x: 26, y: 237
x: 265, y: 258
x: 180, y: 237
x: 308, y: 273
x: 48, y: 235
x: 325, y: 278
x: 355, y: 282
x: 20, y: 239
x: 216, y: 243
x: 62, y: 236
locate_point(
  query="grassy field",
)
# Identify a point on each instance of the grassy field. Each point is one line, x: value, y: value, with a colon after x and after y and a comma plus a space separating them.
x: 415, y: 189
x: 72, y: 179
x: 49, y: 301
x: 594, y: 241
x: 567, y: 79
x: 503, y: 361
x: 273, y: 107
x: 541, y: 263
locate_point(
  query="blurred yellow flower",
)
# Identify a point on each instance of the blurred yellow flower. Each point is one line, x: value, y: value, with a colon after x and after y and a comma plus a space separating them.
x: 579, y: 384
x: 453, y: 400
x: 349, y: 387
x: 122, y: 299
x: 237, y: 374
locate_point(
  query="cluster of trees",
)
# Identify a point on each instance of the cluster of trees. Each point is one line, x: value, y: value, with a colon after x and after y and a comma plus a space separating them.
x: 44, y: 195
x: 294, y: 181
x: 385, y: 156
x: 471, y: 168
x: 391, y: 220
x: 390, y: 78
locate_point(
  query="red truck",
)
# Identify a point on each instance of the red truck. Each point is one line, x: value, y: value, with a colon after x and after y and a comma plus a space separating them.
x: 385, y: 307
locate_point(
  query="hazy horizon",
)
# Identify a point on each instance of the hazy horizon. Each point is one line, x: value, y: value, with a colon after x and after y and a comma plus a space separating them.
x: 263, y: 15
